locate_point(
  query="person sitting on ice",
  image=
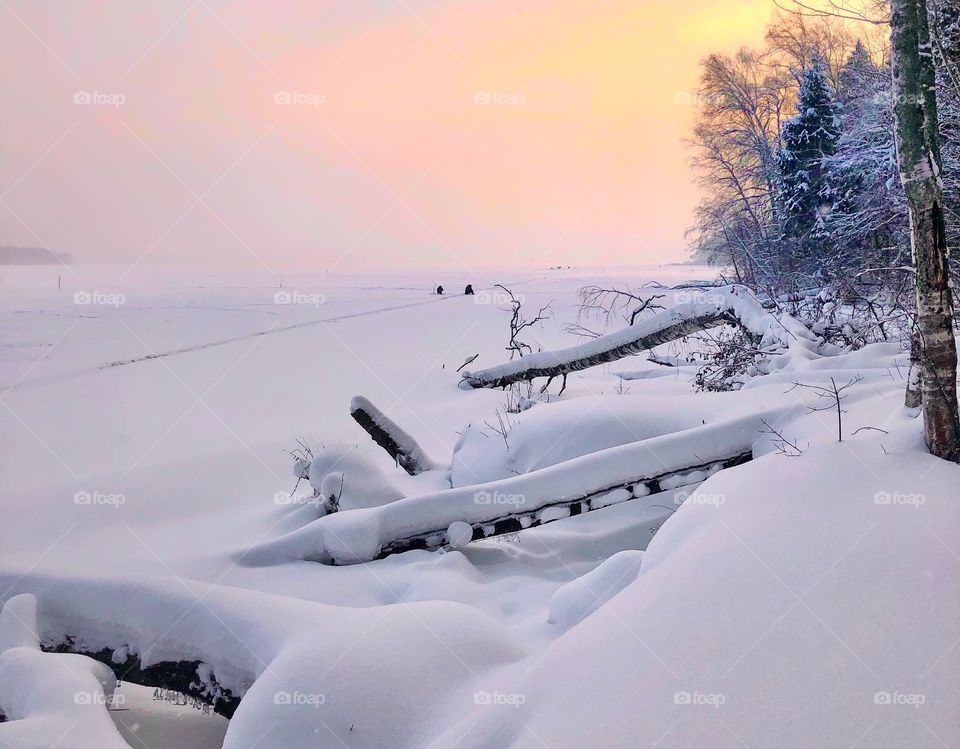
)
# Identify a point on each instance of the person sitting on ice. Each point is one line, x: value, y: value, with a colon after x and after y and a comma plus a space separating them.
x: 439, y: 289
x: 469, y: 290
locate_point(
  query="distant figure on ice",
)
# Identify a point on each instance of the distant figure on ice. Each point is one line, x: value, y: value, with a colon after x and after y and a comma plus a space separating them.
x: 439, y: 289
x: 469, y: 290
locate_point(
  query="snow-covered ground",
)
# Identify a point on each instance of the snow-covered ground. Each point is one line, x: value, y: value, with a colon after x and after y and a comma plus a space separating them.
x: 790, y: 602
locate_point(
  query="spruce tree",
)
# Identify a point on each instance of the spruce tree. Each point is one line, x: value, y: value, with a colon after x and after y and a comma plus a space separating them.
x: 805, y: 196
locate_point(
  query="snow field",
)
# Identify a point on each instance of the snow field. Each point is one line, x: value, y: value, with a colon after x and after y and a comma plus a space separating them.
x: 791, y: 602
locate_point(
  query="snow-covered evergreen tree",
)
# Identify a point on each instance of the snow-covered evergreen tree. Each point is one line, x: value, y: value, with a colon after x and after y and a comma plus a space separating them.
x: 805, y: 196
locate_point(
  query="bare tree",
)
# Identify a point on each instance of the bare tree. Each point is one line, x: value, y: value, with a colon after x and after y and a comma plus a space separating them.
x: 801, y: 37
x: 742, y: 102
x: 833, y: 396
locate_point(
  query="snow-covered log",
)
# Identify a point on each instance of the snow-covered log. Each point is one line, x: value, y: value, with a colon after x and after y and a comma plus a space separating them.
x: 387, y: 433
x: 730, y: 305
x: 587, y: 483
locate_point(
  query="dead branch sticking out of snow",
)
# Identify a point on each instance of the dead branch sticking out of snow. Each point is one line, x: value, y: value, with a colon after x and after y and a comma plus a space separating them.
x: 518, y: 323
x: 387, y: 433
x: 784, y: 445
x: 607, y: 303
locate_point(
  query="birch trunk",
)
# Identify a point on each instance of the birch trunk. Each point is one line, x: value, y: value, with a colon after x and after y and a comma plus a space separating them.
x: 918, y: 155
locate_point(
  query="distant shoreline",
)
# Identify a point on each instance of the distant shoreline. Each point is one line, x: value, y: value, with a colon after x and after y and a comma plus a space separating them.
x: 33, y: 256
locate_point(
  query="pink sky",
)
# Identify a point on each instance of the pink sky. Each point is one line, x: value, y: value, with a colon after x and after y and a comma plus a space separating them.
x: 417, y: 132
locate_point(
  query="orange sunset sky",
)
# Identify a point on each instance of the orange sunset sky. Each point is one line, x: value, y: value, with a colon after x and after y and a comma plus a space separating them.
x: 350, y: 135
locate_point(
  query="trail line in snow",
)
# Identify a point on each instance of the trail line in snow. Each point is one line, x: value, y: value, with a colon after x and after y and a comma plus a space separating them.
x: 258, y: 333
x: 5, y: 389
x: 283, y: 328
x: 212, y: 344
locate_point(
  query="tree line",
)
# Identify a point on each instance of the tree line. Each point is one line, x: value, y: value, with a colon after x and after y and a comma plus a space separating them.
x: 795, y: 152
x: 829, y: 165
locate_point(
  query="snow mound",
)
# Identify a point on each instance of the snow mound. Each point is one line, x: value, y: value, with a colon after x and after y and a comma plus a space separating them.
x: 47, y: 697
x: 580, y: 597
x: 353, y: 476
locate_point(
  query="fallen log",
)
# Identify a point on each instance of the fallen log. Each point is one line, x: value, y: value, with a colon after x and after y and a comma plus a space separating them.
x: 513, y: 522
x: 387, y: 433
x: 586, y: 483
x: 722, y: 306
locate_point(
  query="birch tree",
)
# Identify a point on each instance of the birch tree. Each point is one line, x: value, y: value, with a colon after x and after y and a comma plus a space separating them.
x: 918, y: 156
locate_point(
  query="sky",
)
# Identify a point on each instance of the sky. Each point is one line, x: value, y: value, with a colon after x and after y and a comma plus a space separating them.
x: 358, y: 133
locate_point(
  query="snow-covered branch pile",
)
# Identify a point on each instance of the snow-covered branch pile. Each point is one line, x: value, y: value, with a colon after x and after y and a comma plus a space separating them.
x: 731, y: 305
x: 575, y: 486
x: 387, y: 433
